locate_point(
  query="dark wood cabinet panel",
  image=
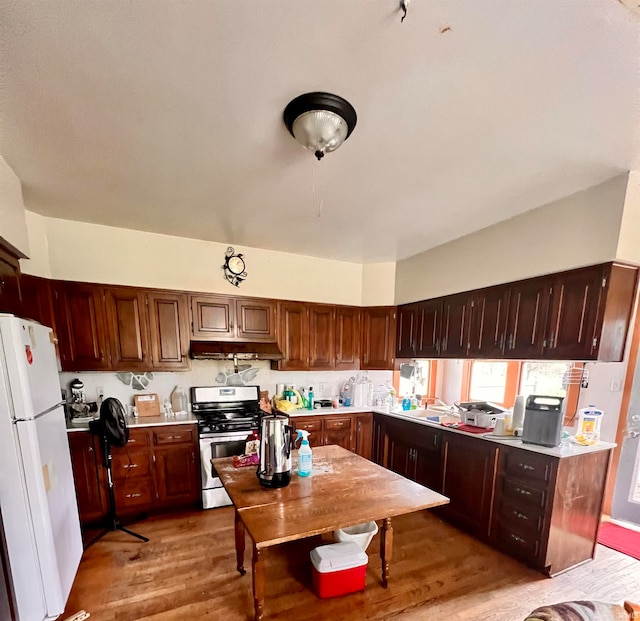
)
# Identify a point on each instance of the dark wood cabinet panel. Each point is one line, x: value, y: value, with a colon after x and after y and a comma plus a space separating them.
x: 468, y: 480
x: 256, y: 320
x: 347, y: 338
x: 293, y: 335
x: 86, y: 464
x: 527, y: 320
x: 322, y: 339
x: 429, y: 326
x: 455, y: 328
x: 488, y: 322
x: 212, y: 317
x: 177, y: 475
x: 10, y: 294
x: 378, y: 343
x: 168, y: 330
x: 364, y: 435
x: 82, y: 331
x: 406, y: 330
x: 325, y: 429
x: 36, y: 300
x: 127, y: 328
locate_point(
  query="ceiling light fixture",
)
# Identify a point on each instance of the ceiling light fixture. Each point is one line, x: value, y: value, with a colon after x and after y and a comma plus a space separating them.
x: 320, y: 122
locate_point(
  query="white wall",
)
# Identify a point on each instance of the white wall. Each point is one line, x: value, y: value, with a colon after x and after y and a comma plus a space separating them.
x: 581, y: 229
x: 378, y: 284
x: 629, y: 240
x: 13, y: 225
x: 109, y: 255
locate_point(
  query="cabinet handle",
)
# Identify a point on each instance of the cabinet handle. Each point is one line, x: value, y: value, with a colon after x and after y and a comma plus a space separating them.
x: 510, y: 343
x: 90, y: 449
x: 517, y: 539
x: 130, y: 466
x: 526, y: 467
x: 338, y: 424
x: 136, y: 495
x: 551, y: 337
x: 524, y: 492
x: 520, y: 516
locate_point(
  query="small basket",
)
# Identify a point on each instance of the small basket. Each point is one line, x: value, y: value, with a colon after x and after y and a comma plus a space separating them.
x: 362, y: 534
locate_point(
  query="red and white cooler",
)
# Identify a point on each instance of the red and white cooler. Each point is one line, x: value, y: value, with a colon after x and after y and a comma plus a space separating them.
x: 338, y: 569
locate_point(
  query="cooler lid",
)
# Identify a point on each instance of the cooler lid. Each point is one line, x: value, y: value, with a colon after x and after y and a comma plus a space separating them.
x: 338, y: 556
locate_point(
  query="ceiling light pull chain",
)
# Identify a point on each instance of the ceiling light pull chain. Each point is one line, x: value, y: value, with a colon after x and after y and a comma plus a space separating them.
x: 317, y: 186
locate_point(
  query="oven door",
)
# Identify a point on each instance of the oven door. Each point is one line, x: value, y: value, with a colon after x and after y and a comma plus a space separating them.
x: 212, y: 446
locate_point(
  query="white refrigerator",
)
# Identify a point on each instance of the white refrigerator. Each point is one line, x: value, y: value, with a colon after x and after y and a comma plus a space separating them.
x: 42, y: 543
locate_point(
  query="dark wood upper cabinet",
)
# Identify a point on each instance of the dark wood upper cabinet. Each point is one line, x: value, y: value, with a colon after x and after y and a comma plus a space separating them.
x: 406, y: 330
x: 256, y: 320
x: 488, y: 322
x: 428, y: 328
x: 168, y: 331
x: 10, y: 295
x: 293, y: 335
x: 128, y: 331
x: 82, y: 330
x: 455, y: 325
x: 378, y: 344
x: 322, y: 339
x: 347, y: 337
x: 212, y: 317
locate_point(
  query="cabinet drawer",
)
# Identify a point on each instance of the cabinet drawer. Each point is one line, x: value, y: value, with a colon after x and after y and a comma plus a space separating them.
x: 521, y: 517
x: 131, y: 465
x: 337, y: 423
x: 134, y: 493
x: 516, y: 541
x: 138, y: 438
x: 520, y: 492
x: 310, y: 425
x: 524, y: 465
x: 173, y: 436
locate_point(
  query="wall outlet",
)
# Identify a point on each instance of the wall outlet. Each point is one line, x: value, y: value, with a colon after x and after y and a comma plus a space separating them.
x: 616, y: 385
x: 100, y: 392
x: 321, y: 387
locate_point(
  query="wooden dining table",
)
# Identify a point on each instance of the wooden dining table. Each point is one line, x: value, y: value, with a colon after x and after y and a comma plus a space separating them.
x: 343, y: 490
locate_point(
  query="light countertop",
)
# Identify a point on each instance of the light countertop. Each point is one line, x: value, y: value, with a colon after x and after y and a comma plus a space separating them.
x: 326, y: 411
x: 566, y: 449
x: 145, y: 421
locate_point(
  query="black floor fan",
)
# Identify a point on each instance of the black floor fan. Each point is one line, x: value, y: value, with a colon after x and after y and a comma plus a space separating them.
x: 112, y: 429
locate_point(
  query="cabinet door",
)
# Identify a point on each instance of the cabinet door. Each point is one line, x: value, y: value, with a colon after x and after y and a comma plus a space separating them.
x: 488, y: 322
x: 429, y: 325
x: 364, y: 435
x: 526, y: 325
x: 400, y: 457
x: 212, y: 317
x: 378, y: 342
x: 322, y: 337
x: 293, y: 335
x: 339, y: 430
x: 428, y: 459
x: 312, y: 424
x: 177, y: 475
x: 85, y: 465
x: 128, y: 331
x: 36, y: 299
x: 10, y: 296
x: 575, y: 299
x: 256, y: 320
x: 378, y: 441
x: 406, y: 330
x: 347, y: 338
x: 168, y: 330
x: 82, y: 334
x: 469, y: 473
x: 455, y: 328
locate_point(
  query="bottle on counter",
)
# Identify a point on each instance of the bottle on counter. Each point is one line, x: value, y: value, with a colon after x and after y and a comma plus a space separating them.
x: 413, y: 403
x: 305, y: 456
x: 179, y: 402
x: 310, y: 406
x: 392, y: 399
x: 406, y: 403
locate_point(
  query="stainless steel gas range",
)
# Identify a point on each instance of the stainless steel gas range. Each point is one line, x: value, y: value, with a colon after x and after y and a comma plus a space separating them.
x: 226, y: 416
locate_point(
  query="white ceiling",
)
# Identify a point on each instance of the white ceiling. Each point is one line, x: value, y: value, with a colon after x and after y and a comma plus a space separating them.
x: 166, y: 116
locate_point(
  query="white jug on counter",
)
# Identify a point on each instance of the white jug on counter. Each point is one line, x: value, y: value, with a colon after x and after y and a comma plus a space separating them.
x: 362, y: 392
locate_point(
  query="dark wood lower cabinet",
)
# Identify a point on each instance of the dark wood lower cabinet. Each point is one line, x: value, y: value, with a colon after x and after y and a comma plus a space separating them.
x: 158, y: 469
x: 351, y: 431
x: 540, y: 509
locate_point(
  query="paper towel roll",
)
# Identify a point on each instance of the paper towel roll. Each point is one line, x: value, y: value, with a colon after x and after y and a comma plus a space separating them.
x: 518, y: 413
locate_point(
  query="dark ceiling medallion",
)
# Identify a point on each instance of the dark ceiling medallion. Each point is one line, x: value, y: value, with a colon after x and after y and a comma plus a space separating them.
x: 324, y: 131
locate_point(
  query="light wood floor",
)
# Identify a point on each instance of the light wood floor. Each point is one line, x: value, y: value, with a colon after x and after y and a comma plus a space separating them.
x: 187, y: 571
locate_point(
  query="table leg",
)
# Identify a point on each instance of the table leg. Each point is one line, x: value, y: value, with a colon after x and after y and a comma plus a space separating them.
x: 239, y: 543
x: 386, y: 545
x: 258, y: 582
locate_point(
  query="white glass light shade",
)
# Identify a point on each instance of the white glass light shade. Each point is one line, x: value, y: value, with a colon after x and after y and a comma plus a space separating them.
x: 320, y: 130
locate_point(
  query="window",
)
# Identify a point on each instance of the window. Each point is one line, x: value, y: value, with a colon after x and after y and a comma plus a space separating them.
x: 488, y: 381
x: 417, y: 377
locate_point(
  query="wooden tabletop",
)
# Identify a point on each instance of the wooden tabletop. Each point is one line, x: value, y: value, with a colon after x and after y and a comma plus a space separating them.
x: 344, y: 489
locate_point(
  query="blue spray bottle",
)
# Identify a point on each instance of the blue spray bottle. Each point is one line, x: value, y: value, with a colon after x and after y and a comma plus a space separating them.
x: 304, y: 454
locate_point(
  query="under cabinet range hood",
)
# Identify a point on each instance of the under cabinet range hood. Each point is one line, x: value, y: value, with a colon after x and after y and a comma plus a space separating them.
x: 221, y: 350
